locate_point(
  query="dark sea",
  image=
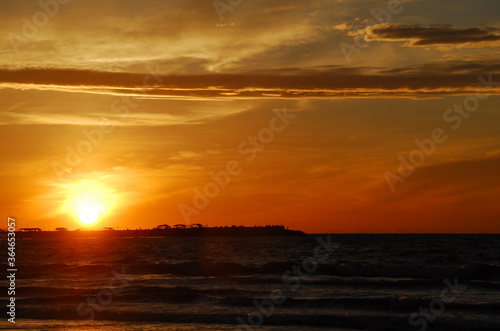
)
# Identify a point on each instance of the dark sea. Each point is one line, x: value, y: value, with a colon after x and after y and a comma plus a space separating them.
x: 316, y: 282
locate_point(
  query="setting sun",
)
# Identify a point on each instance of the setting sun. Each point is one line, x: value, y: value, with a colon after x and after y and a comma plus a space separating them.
x: 89, y: 215
x: 88, y: 201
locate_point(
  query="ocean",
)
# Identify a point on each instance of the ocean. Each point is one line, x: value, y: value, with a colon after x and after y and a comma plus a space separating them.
x: 315, y: 282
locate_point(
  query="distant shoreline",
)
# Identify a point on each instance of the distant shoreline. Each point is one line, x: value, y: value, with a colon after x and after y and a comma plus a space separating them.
x: 233, y: 231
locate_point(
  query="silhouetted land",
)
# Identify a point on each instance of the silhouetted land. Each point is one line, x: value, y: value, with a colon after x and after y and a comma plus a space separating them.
x: 164, y: 231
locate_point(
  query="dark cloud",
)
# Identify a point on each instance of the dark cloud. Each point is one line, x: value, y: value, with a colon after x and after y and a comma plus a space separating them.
x: 324, y: 81
x: 432, y: 35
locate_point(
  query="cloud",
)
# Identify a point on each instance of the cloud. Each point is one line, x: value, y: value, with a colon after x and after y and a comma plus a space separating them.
x: 128, y: 36
x: 324, y: 81
x: 140, y: 119
x: 191, y: 155
x: 418, y: 36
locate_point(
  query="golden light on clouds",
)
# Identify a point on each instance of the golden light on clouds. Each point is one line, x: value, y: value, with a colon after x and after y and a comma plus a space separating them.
x: 181, y: 89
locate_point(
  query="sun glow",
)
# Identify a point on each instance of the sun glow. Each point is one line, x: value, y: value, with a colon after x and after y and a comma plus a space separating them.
x: 89, y: 215
x: 88, y: 201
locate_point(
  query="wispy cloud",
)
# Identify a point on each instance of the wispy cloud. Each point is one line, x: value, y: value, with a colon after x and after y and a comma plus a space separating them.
x: 325, y: 81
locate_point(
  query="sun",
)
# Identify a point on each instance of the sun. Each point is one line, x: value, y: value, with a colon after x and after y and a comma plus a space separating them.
x: 88, y: 201
x: 89, y: 215
x: 88, y: 206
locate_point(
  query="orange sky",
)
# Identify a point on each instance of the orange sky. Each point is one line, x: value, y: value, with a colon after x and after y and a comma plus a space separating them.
x: 130, y: 111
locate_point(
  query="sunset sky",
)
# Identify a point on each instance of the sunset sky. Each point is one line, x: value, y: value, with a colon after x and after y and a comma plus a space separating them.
x: 124, y: 109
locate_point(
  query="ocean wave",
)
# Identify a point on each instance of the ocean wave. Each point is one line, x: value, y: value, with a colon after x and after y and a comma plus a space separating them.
x: 386, y: 322
x: 473, y: 272
x: 232, y: 297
